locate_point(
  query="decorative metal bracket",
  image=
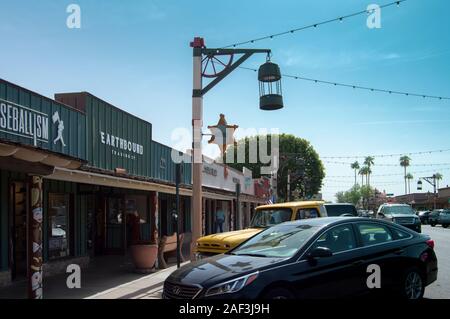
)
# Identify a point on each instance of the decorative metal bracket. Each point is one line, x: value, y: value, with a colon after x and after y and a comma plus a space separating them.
x: 211, y: 54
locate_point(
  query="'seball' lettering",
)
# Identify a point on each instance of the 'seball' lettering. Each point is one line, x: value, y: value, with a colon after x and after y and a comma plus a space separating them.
x: 121, y: 143
x: 23, y: 121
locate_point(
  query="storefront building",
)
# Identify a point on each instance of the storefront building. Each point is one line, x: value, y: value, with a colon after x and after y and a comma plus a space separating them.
x: 230, y: 191
x: 37, y: 218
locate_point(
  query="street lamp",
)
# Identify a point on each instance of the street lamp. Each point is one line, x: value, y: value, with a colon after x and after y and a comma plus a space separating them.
x: 216, y: 64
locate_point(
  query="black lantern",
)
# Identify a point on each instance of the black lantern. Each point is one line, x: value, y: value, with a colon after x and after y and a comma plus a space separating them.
x: 419, y: 185
x: 269, y: 77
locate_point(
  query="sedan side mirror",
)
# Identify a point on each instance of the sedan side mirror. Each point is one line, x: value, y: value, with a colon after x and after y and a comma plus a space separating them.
x: 320, y: 252
x: 381, y: 215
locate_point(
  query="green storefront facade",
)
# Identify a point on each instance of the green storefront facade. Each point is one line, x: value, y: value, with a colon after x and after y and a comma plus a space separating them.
x: 97, y: 164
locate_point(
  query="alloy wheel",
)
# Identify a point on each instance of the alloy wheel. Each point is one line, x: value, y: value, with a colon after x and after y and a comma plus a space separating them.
x: 413, y: 285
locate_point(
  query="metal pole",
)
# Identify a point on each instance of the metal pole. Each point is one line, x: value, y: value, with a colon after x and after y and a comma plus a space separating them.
x: 197, y: 165
x: 434, y: 188
x: 288, y: 195
x: 177, y: 208
x: 238, y: 204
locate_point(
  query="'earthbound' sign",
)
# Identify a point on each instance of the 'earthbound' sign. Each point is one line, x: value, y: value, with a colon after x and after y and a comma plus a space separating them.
x: 121, y: 143
x: 24, y: 122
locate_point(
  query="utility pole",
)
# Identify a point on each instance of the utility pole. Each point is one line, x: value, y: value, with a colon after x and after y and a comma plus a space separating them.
x: 432, y: 180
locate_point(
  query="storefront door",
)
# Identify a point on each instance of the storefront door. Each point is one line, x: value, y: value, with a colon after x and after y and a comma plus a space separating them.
x: 115, y: 225
x: 18, y: 226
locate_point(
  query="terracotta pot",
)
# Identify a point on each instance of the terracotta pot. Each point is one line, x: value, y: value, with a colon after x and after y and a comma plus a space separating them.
x: 144, y: 256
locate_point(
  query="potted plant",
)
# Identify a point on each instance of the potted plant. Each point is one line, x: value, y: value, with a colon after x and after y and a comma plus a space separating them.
x: 143, y: 252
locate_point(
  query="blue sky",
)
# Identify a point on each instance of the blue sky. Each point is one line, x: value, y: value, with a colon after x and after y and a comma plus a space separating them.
x: 136, y: 55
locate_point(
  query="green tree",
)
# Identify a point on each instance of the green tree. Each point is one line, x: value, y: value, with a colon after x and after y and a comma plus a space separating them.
x: 405, y: 161
x: 369, y: 161
x: 367, y: 193
x: 296, y: 156
x: 409, y: 177
x: 355, y: 167
x: 353, y: 195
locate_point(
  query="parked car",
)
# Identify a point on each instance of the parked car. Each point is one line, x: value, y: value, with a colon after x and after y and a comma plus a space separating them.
x: 423, y: 215
x: 264, y: 216
x: 341, y: 209
x: 401, y: 214
x: 440, y: 217
x: 313, y: 258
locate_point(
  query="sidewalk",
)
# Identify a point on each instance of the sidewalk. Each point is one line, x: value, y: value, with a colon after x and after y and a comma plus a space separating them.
x: 147, y: 287
x: 106, y: 277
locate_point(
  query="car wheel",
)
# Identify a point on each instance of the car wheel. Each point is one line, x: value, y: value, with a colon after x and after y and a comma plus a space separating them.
x: 278, y: 293
x: 413, y: 286
x: 432, y: 224
x: 445, y: 225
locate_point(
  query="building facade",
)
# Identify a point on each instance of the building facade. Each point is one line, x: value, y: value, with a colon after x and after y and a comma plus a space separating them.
x: 73, y: 169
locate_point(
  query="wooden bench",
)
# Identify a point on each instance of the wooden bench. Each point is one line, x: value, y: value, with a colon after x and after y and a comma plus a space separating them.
x: 168, y: 244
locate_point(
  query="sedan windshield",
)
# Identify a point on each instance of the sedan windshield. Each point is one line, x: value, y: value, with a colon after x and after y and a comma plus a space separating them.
x: 388, y: 210
x: 270, y: 217
x: 281, y: 241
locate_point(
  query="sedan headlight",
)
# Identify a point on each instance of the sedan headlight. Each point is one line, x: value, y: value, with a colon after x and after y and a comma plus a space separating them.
x: 232, y: 285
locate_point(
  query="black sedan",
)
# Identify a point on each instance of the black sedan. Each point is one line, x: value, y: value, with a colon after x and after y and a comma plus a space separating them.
x: 315, y: 258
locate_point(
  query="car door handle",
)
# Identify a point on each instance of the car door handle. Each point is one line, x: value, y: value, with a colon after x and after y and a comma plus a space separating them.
x: 399, y: 251
x: 358, y: 263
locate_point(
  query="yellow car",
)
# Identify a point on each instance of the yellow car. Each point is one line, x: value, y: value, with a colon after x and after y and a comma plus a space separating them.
x: 265, y: 216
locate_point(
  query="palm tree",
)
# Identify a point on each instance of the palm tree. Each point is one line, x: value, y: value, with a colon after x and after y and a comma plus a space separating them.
x: 355, y: 166
x: 409, y: 177
x: 438, y: 177
x: 405, y: 161
x: 369, y: 161
x: 362, y: 173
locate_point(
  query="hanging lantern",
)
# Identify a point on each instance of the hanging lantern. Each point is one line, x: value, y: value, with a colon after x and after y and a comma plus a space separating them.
x: 419, y: 185
x: 269, y: 77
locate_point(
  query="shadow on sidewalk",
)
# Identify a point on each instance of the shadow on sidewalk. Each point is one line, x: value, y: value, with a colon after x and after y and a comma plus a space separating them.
x: 103, y: 273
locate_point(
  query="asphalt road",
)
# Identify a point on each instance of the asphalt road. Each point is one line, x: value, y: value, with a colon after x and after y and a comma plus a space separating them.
x: 440, y: 289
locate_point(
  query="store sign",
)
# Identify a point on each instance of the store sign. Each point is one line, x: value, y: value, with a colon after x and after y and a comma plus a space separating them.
x: 209, y: 170
x: 120, y: 146
x: 24, y: 122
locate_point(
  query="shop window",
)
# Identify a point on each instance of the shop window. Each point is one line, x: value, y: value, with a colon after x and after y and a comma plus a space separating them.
x: 58, y: 225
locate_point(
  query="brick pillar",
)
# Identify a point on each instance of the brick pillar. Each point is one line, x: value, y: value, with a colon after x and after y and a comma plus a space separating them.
x: 34, y: 244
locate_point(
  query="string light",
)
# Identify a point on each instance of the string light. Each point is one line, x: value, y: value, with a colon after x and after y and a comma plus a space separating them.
x: 314, y: 25
x: 387, y: 155
x: 396, y: 174
x: 359, y: 87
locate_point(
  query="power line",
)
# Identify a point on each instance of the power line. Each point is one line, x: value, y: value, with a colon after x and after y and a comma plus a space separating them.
x: 390, y: 165
x: 312, y: 26
x: 357, y: 87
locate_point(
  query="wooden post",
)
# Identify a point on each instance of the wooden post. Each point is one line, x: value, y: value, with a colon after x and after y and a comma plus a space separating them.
x: 34, y: 251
